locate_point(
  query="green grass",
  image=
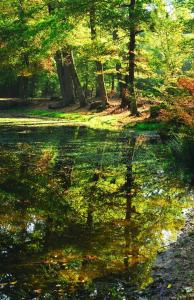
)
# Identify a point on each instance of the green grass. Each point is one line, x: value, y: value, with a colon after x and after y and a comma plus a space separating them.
x: 148, y: 126
x: 41, y: 117
x: 45, y: 113
x: 145, y: 126
x: 35, y: 117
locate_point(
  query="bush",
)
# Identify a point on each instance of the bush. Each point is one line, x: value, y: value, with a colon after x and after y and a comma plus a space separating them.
x: 149, y: 87
x: 181, y: 148
x: 179, y: 119
x: 180, y: 112
x: 156, y: 109
x: 187, y: 83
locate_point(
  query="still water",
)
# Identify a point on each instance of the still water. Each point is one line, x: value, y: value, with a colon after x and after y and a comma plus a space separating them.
x: 84, y: 212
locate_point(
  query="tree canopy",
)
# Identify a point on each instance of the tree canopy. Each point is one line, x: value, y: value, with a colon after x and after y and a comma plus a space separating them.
x: 80, y: 49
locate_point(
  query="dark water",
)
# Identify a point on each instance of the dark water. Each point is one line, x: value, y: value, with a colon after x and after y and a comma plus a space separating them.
x: 78, y: 220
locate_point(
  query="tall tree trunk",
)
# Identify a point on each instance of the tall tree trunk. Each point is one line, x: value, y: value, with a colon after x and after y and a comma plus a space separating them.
x: 132, y: 45
x: 100, y: 83
x: 101, y: 88
x: 123, y: 88
x: 63, y: 61
x: 64, y: 68
x: 23, y: 80
x: 119, y: 78
x: 77, y: 85
x: 124, y: 91
x: 23, y: 87
x: 113, y: 83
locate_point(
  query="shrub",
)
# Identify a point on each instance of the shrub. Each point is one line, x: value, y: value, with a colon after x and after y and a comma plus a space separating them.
x: 179, y: 112
x: 156, y: 109
x: 187, y: 83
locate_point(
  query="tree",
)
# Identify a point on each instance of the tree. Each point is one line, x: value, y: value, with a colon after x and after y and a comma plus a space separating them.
x: 92, y: 43
x: 100, y: 84
x: 132, y: 45
x: 137, y: 15
x: 69, y: 81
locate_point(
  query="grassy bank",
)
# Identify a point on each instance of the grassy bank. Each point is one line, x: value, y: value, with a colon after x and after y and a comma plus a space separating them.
x: 45, y: 117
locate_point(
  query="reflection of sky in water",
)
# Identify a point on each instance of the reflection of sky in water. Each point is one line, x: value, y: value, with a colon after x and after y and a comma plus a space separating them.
x: 4, y: 297
x: 30, y: 227
x: 101, y: 249
x: 167, y: 237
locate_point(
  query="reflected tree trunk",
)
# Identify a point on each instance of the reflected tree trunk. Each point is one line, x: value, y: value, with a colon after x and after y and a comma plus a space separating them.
x: 90, y: 220
x: 91, y: 195
x: 128, y: 232
x: 49, y: 225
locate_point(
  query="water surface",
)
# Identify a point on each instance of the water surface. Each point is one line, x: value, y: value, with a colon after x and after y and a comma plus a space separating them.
x: 84, y: 212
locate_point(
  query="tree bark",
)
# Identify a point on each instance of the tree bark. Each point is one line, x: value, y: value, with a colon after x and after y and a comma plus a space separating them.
x: 123, y: 89
x: 23, y: 87
x: 112, y: 83
x: 132, y: 45
x: 100, y: 83
x: 124, y: 93
x: 64, y: 63
x: 101, y: 89
x: 77, y: 85
x: 22, y: 79
x: 64, y: 70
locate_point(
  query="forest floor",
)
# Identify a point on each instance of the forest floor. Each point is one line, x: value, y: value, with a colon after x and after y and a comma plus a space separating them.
x: 38, y: 114
x: 173, y: 272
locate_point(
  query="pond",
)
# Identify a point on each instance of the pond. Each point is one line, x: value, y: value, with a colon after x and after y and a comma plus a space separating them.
x: 84, y: 212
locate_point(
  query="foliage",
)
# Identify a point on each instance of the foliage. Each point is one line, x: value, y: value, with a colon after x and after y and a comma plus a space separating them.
x: 187, y: 83
x: 86, y: 205
x: 181, y: 149
x: 66, y: 219
x: 179, y: 112
x: 178, y: 118
x: 31, y: 35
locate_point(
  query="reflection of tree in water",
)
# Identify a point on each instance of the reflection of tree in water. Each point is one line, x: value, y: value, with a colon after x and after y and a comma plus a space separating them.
x: 89, y: 214
x: 129, y: 185
x: 154, y: 207
x: 36, y: 189
x: 144, y: 223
